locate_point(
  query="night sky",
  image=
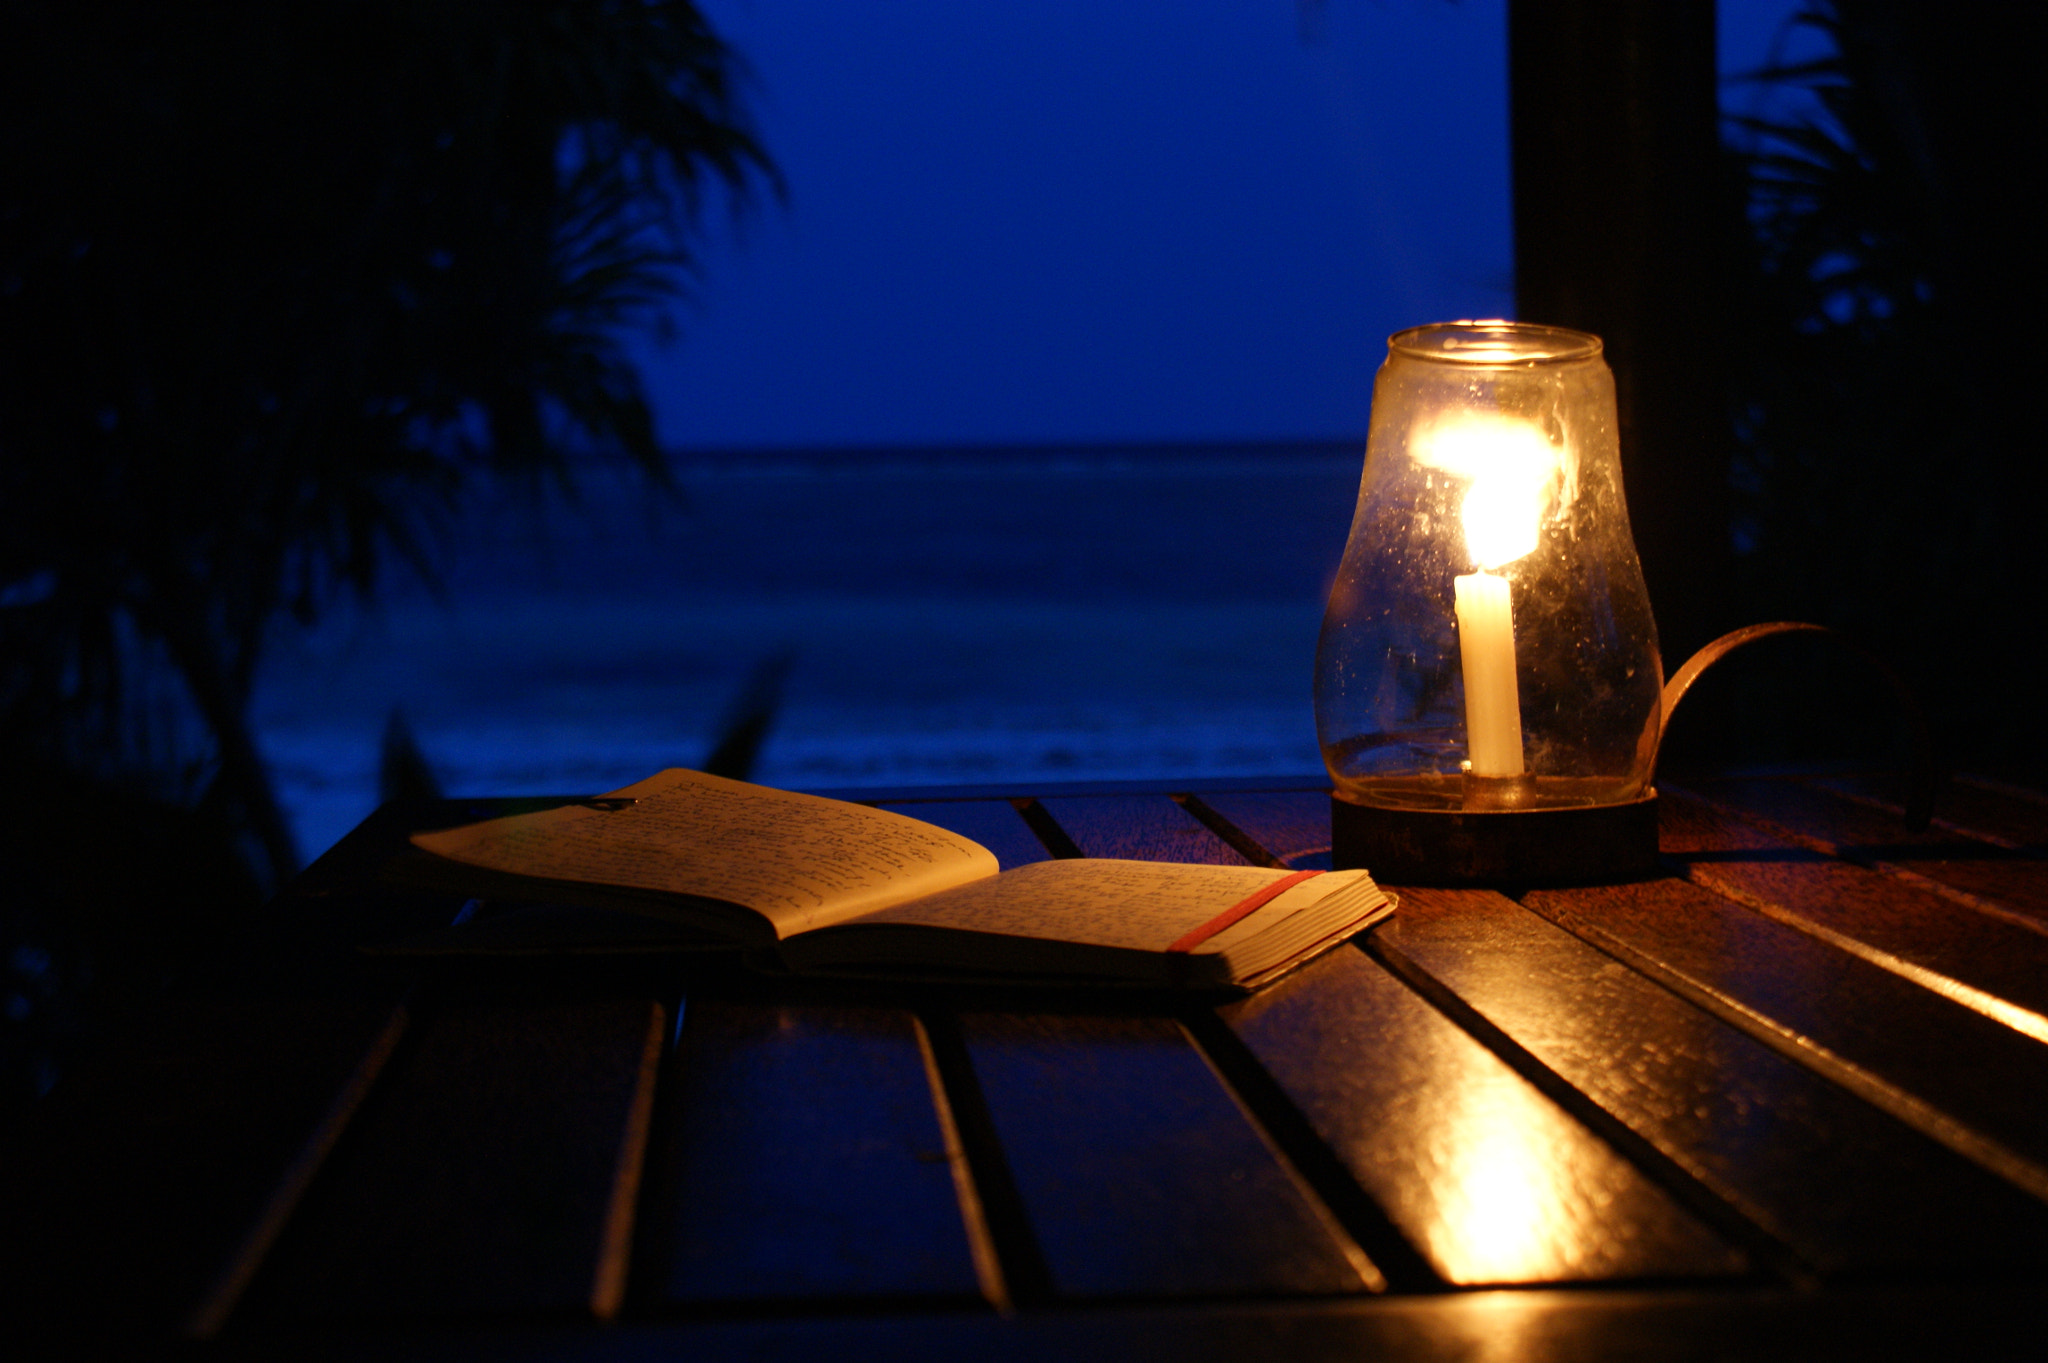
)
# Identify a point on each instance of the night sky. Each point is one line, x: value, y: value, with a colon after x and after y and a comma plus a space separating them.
x: 1078, y: 221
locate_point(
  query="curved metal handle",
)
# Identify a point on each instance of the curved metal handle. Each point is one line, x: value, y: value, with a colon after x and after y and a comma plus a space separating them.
x: 1926, y: 777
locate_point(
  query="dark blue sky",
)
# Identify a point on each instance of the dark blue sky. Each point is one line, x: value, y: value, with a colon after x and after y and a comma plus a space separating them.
x: 1099, y: 220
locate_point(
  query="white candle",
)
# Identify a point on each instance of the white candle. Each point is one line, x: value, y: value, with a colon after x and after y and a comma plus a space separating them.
x: 1510, y: 466
x: 1486, y: 647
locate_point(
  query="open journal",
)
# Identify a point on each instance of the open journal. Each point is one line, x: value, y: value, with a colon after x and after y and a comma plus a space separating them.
x: 828, y: 887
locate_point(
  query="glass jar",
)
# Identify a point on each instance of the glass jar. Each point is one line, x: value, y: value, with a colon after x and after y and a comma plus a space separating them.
x: 1488, y: 643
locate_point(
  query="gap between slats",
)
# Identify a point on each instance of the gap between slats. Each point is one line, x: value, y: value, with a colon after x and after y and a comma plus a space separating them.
x: 1778, y: 1258
x: 1288, y: 1128
x: 1633, y: 1148
x: 1395, y: 1264
x: 1135, y: 1174
x: 148, y: 1191
x: 1299, y: 823
x: 493, y: 1172
x: 1809, y: 1053
x: 1974, y: 883
x: 999, y: 1222
x: 1990, y: 811
x: 796, y: 1165
x: 1136, y: 823
x: 1359, y: 1227
x: 1977, y: 961
x: 221, y: 1298
x: 981, y: 1240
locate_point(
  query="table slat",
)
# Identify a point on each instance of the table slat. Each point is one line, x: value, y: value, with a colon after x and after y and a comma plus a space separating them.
x: 1994, y: 964
x: 1785, y: 1102
x: 803, y: 1158
x: 1973, y: 806
x: 1846, y: 1187
x: 492, y: 1174
x: 995, y: 824
x: 151, y: 1183
x: 1141, y: 827
x: 1139, y: 1175
x: 2013, y: 880
x: 1536, y: 1326
x: 1292, y: 825
x: 1493, y: 1181
x: 1963, y: 1077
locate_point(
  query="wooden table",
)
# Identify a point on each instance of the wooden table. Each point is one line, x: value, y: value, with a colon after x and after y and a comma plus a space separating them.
x: 1789, y: 1101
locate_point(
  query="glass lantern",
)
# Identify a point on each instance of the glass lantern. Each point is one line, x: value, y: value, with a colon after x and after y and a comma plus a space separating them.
x: 1487, y: 681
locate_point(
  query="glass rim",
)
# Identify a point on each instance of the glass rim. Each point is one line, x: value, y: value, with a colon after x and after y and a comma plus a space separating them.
x: 1494, y: 343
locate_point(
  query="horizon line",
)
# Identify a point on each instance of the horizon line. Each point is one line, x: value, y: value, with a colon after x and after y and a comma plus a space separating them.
x: 1144, y: 448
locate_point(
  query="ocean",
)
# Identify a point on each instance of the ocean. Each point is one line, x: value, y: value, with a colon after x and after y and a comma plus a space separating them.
x: 944, y: 617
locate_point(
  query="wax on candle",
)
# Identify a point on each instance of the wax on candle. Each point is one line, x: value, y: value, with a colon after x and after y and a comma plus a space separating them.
x: 1509, y: 466
x: 1486, y: 646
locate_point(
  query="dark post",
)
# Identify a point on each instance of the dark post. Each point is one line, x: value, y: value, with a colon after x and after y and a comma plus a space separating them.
x: 1614, y: 127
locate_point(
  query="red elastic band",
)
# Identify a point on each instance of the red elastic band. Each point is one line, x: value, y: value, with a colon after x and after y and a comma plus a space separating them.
x: 1243, y: 908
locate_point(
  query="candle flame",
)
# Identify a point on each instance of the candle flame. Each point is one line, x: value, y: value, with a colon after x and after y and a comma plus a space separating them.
x: 1509, y: 465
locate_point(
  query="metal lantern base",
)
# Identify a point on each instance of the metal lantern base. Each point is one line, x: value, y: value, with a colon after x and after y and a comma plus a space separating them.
x: 1504, y: 847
